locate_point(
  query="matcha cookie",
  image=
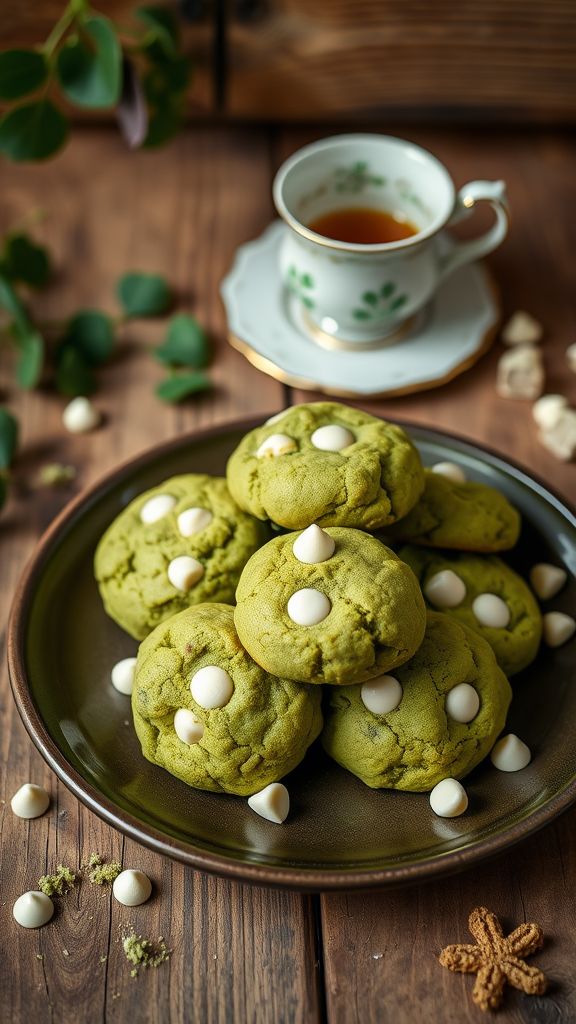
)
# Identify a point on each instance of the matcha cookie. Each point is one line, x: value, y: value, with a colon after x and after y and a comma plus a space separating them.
x: 328, y: 606
x: 329, y: 464
x: 462, y: 516
x: 181, y: 543
x: 437, y: 717
x: 205, y: 712
x: 486, y: 594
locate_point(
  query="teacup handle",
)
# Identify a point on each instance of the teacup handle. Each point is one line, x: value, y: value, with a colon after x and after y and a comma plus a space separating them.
x: 494, y: 192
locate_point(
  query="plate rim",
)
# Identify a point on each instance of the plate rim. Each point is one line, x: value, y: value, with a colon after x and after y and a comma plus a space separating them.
x: 292, y: 878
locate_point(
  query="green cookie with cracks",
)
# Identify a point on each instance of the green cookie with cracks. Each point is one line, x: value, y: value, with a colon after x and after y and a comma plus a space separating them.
x: 376, y: 620
x: 417, y: 744
x: 373, y: 481
x: 257, y: 737
x: 514, y: 646
x: 132, y: 559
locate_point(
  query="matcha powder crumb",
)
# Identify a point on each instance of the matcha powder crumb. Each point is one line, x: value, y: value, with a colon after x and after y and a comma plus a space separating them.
x: 100, y: 873
x: 59, y: 883
x: 142, y: 952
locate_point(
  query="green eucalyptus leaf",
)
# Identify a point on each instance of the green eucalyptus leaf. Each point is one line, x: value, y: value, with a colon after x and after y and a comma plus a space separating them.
x: 10, y: 302
x: 31, y: 357
x: 33, y: 131
x: 176, y: 388
x: 21, y: 72
x: 162, y: 23
x: 24, y: 260
x: 144, y: 294
x: 91, y: 333
x: 90, y: 67
x: 73, y: 374
x: 186, y: 343
x: 8, y: 438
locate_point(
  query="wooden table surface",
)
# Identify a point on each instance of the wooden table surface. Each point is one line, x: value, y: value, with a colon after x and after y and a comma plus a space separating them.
x: 241, y: 953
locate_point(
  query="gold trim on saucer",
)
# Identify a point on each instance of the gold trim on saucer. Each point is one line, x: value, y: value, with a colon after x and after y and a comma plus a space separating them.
x: 328, y: 341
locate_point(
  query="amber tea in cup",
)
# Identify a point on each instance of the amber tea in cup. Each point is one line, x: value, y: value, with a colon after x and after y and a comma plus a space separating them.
x: 364, y: 225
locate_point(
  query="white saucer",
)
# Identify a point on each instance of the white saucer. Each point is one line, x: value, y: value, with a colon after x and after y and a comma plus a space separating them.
x: 453, y: 332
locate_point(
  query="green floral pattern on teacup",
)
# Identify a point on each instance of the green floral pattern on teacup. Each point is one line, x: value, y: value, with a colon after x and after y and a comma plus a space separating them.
x: 380, y: 305
x: 301, y: 284
x: 356, y: 177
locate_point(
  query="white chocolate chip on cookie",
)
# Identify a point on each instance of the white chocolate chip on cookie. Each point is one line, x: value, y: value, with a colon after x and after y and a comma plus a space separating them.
x: 462, y: 703
x: 184, y: 572
x: 122, y: 675
x: 276, y: 444
x: 547, y: 580
x: 445, y: 589
x: 272, y: 803
x: 313, y: 545
x: 491, y: 610
x: 188, y: 726
x: 211, y: 687
x: 156, y: 508
x: 381, y: 695
x: 308, y: 607
x: 451, y: 471
x: 192, y: 520
x: 332, y: 438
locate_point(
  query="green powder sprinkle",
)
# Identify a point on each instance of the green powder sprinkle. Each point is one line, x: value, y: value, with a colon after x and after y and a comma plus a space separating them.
x: 143, y: 952
x: 54, y: 474
x: 100, y: 873
x: 58, y: 884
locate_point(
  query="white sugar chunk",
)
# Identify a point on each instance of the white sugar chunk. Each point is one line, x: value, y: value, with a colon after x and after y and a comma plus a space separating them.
x: 522, y: 329
x: 184, y: 572
x: 510, y: 754
x: 80, y: 416
x: 561, y: 438
x: 122, y: 675
x: 276, y: 444
x: 445, y: 589
x: 313, y: 545
x: 520, y: 373
x: 131, y: 888
x: 571, y: 357
x: 448, y: 799
x: 272, y: 803
x: 450, y: 470
x: 156, y: 508
x: 332, y: 438
x: 33, y: 909
x: 547, y: 580
x: 211, y: 687
x: 381, y: 695
x: 547, y: 410
x: 30, y: 801
x: 557, y: 628
x: 188, y: 726
x: 193, y: 520
x: 308, y: 607
x: 462, y: 703
x: 491, y: 610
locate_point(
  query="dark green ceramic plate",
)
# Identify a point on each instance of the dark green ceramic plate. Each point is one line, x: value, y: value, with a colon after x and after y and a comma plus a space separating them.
x: 340, y: 834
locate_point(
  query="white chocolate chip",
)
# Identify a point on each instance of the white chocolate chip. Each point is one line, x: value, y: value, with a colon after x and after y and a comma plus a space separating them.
x: 276, y: 444
x: 520, y: 373
x: 547, y: 580
x: 308, y: 607
x: 188, y: 726
x: 557, y: 628
x: 184, y: 572
x: 547, y: 410
x: 445, y: 589
x: 122, y: 675
x: 561, y: 438
x: 462, y: 703
x: 522, y: 329
x: 211, y: 687
x: 193, y: 520
x: 30, y: 801
x: 313, y: 545
x: 510, y: 754
x: 33, y: 909
x: 131, y: 888
x: 157, y: 507
x: 491, y: 610
x: 381, y: 695
x: 450, y: 470
x: 272, y: 803
x: 80, y: 416
x: 332, y: 438
x: 448, y: 799
x: 571, y: 357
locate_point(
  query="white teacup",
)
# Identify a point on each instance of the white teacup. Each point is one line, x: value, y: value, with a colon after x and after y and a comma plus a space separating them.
x: 352, y: 294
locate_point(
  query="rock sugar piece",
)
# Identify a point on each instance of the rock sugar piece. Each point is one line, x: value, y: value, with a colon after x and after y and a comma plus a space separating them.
x: 560, y: 439
x: 521, y: 373
x: 419, y: 743
x: 346, y: 619
x: 459, y: 516
x: 255, y: 727
x: 492, y: 588
x: 522, y: 329
x: 328, y: 464
x: 181, y: 543
x: 547, y: 410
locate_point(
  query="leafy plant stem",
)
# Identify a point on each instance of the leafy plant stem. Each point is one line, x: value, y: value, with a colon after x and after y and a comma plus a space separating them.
x: 61, y: 27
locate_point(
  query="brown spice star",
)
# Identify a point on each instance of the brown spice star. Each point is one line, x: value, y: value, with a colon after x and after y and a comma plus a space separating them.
x: 496, y: 959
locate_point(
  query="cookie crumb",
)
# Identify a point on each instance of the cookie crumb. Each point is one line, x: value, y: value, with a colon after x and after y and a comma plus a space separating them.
x: 58, y: 884
x: 143, y: 953
x: 101, y: 873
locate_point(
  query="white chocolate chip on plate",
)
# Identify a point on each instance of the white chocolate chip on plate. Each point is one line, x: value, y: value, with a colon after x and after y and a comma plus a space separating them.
x: 313, y: 545
x: 462, y: 703
x: 33, y: 909
x: 450, y: 470
x: 381, y: 695
x: 80, y: 416
x: 448, y: 799
x: 547, y: 410
x: 156, y: 508
x: 122, y: 675
x: 510, y: 754
x: 308, y: 607
x: 332, y: 438
x: 272, y: 803
x: 131, y: 888
x: 522, y: 329
x: 276, y: 444
x: 211, y: 687
x: 184, y: 572
x: 491, y: 610
x: 30, y: 801
x: 188, y: 726
x: 193, y: 520
x: 561, y: 438
x: 445, y: 589
x: 557, y: 628
x: 520, y: 373
x: 547, y: 580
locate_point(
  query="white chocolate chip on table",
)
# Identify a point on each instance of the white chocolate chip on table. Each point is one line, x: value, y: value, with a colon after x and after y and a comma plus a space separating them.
x: 313, y: 545
x: 332, y: 438
x: 184, y: 572
x: 122, y: 675
x: 490, y: 610
x: 33, y: 909
x: 445, y: 589
x: 450, y: 470
x: 520, y: 373
x: 80, y: 416
x: 275, y: 445
x: 272, y: 803
x: 131, y: 888
x: 156, y: 508
x: 547, y: 410
x: 30, y: 801
x: 547, y: 580
x: 561, y: 438
x: 308, y: 607
x: 211, y: 687
x: 188, y: 726
x: 557, y: 628
x: 193, y: 520
x: 381, y: 695
x: 448, y: 799
x: 522, y: 329
x: 510, y: 754
x: 462, y: 703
